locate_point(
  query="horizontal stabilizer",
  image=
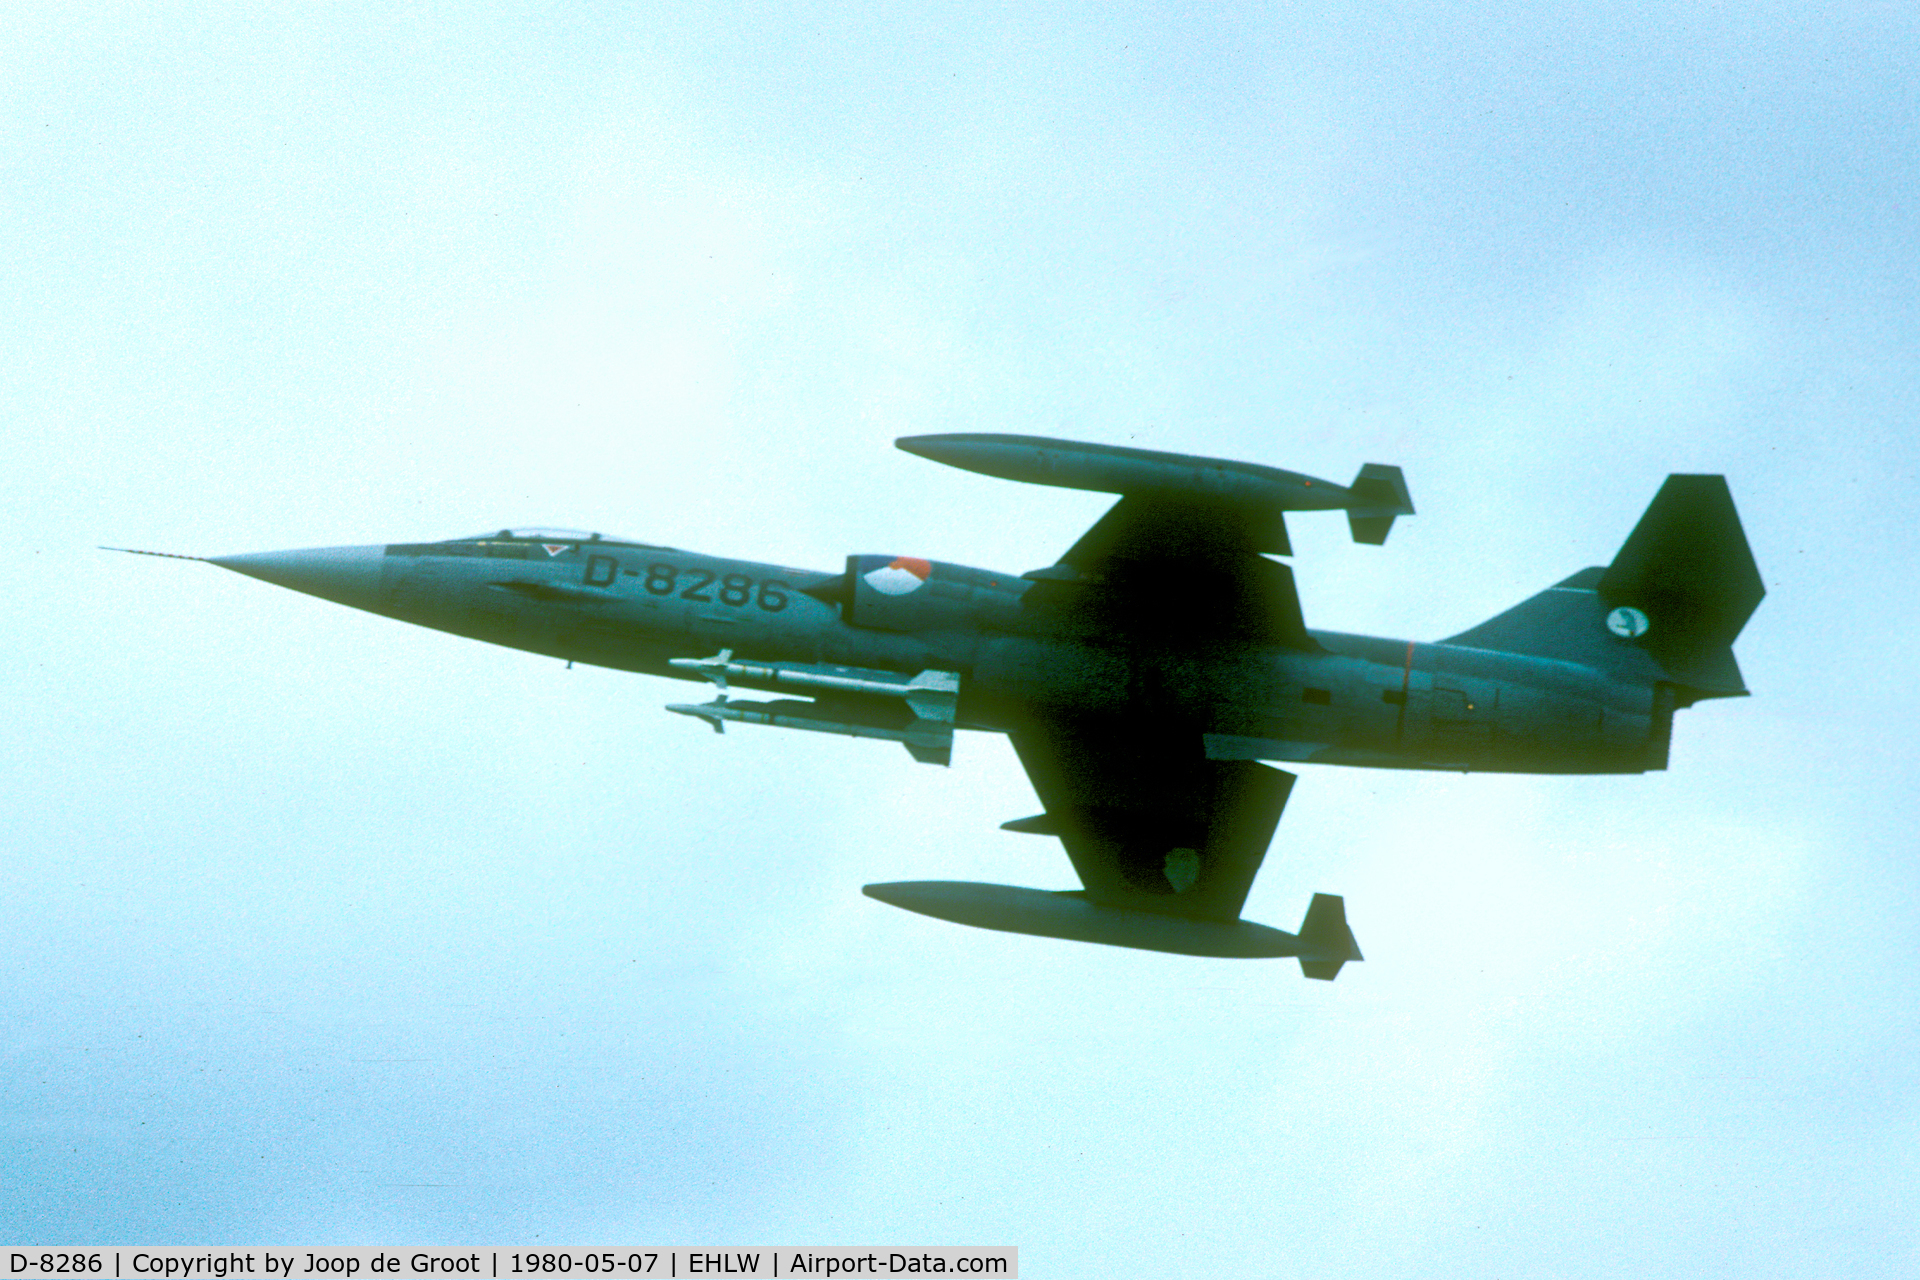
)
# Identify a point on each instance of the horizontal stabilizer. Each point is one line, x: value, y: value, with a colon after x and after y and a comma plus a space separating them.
x: 1040, y: 824
x: 1323, y: 944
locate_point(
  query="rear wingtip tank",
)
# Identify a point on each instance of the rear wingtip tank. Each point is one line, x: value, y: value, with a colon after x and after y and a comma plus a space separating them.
x: 1122, y: 469
x: 1322, y: 946
x: 1325, y: 937
x: 1377, y: 496
x: 1380, y: 496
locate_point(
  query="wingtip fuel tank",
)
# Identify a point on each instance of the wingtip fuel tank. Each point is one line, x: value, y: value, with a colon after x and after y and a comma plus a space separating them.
x: 1377, y: 496
x: 1323, y: 944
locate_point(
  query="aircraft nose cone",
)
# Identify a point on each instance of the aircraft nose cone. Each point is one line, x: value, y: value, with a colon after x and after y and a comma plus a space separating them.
x: 345, y: 575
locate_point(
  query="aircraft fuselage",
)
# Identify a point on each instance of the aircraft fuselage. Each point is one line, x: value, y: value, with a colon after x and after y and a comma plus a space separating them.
x: 1361, y: 700
x: 1143, y: 679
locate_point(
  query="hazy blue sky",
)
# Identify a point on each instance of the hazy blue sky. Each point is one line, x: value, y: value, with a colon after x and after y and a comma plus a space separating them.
x: 315, y: 927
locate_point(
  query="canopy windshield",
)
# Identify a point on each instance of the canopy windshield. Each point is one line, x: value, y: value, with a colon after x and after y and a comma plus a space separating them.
x: 532, y: 534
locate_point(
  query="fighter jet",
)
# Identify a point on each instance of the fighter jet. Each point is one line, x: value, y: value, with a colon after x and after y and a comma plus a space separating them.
x: 1143, y: 679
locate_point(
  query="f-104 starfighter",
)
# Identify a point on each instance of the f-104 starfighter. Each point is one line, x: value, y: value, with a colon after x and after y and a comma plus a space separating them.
x: 1146, y: 679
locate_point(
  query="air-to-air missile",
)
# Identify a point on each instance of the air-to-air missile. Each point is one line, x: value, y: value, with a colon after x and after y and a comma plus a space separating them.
x: 1142, y: 678
x: 929, y: 698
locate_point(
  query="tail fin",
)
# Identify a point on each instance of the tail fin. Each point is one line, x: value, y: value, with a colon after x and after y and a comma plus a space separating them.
x: 1384, y: 491
x: 1326, y: 942
x: 1668, y: 608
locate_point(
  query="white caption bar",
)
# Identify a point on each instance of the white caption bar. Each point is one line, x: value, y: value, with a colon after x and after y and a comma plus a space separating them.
x: 176, y: 1262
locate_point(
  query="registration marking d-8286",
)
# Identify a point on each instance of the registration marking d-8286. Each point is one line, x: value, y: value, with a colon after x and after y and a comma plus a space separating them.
x: 734, y: 589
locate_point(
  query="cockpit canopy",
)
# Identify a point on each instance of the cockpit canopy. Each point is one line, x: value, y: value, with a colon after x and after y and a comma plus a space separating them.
x: 520, y: 544
x: 533, y: 534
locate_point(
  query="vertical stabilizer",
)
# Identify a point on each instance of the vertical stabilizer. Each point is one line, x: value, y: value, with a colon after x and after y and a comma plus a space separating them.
x: 1687, y: 571
x: 1667, y: 609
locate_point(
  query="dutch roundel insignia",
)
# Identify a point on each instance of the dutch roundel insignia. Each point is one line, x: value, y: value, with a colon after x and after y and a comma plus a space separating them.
x: 1627, y: 622
x: 904, y: 574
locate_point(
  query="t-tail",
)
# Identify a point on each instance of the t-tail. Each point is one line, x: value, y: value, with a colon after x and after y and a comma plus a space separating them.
x: 1666, y: 611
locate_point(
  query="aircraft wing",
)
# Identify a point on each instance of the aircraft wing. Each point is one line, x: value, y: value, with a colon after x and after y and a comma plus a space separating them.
x: 1181, y: 555
x: 1179, y: 562
x: 1158, y: 564
x: 1149, y: 822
